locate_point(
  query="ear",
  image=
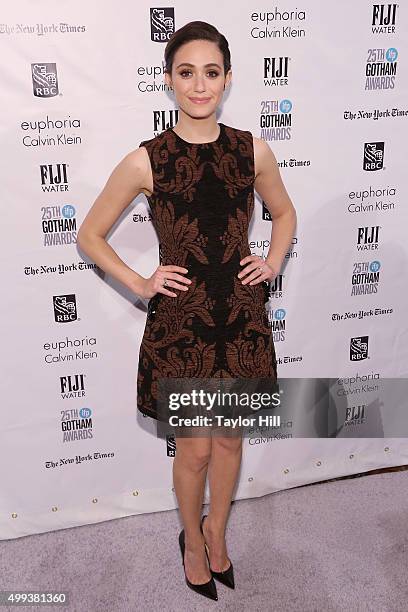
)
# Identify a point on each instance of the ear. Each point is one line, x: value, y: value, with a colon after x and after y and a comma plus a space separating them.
x: 228, y: 78
x: 167, y: 79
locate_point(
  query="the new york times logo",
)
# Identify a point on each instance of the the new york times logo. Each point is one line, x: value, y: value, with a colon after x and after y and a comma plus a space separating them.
x: 161, y: 23
x: 45, y: 81
x: 359, y: 348
x: 373, y: 156
x: 65, y: 309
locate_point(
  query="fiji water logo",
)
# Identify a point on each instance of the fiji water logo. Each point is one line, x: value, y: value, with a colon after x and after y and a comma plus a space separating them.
x: 45, y: 80
x: 163, y: 119
x: 381, y: 69
x: 54, y: 177
x: 384, y: 18
x: 276, y: 119
x: 275, y: 71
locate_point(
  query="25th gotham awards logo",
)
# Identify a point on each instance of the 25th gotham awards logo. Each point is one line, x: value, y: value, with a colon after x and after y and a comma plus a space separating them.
x: 45, y: 80
x: 373, y: 156
x: 381, y: 68
x: 65, y: 308
x: 276, y: 119
x: 161, y: 23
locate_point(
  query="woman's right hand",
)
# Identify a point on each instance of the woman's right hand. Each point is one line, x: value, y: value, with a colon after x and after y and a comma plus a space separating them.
x: 154, y: 284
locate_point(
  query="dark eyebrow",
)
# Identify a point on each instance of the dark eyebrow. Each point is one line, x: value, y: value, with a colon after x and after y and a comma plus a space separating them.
x: 192, y: 65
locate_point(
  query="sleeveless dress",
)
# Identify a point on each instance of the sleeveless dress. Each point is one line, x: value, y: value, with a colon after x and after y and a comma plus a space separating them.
x: 201, y: 207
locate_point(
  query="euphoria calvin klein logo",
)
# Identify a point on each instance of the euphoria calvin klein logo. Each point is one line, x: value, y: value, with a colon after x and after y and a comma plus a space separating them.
x: 54, y: 177
x: 45, y: 82
x: 161, y: 23
x: 275, y: 71
x: 383, y: 21
x: 65, y: 309
x: 373, y: 156
x: 359, y: 348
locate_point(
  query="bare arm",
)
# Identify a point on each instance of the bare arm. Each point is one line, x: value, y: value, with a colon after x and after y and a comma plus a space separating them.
x: 269, y: 185
x: 129, y: 178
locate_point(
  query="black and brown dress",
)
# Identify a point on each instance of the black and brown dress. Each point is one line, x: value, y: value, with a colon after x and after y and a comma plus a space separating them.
x: 201, y: 207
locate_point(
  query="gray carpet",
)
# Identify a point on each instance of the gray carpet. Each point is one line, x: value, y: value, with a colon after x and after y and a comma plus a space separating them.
x: 327, y: 547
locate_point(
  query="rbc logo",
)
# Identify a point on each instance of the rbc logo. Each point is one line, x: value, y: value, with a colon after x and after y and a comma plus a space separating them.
x: 45, y: 82
x: 373, y: 156
x: 65, y: 308
x: 161, y: 23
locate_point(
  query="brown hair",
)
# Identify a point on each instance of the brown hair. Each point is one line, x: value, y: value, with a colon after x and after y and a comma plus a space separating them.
x: 196, y: 30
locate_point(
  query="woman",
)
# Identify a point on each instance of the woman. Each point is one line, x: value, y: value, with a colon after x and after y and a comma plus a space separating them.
x: 206, y: 316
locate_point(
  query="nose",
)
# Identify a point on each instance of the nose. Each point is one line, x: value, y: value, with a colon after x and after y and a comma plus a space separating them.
x: 199, y: 83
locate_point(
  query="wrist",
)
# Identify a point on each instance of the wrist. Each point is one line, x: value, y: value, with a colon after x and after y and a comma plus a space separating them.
x: 274, y: 263
x: 136, y: 283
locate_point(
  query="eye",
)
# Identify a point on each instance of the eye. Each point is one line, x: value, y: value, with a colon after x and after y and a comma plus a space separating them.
x: 213, y: 72
x: 183, y: 72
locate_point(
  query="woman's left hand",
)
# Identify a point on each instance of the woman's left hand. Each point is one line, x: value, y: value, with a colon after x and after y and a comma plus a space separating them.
x: 257, y: 269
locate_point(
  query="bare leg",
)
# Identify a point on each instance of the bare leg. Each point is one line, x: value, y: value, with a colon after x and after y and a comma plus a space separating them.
x: 189, y: 475
x: 225, y: 461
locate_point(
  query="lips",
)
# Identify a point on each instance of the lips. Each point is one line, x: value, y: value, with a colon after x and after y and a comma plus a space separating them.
x: 200, y: 100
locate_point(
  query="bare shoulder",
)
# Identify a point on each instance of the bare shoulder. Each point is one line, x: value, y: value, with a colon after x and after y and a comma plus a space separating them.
x: 137, y: 164
x: 263, y: 155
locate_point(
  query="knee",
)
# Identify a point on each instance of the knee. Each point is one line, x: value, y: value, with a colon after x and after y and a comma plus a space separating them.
x: 227, y: 444
x: 196, y: 458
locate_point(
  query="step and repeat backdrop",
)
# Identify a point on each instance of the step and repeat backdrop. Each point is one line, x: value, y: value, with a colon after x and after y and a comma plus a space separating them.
x: 82, y: 84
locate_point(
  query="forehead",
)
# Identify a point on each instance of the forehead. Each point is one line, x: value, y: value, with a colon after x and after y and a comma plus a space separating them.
x: 198, y: 53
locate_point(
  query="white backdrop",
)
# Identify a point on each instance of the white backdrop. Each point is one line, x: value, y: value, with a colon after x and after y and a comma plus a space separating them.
x: 81, y: 86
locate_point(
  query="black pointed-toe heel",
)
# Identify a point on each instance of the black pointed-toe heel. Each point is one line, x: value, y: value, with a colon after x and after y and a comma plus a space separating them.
x: 208, y: 589
x: 227, y: 576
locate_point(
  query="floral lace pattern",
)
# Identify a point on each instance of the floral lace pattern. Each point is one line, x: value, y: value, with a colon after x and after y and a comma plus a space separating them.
x: 201, y: 206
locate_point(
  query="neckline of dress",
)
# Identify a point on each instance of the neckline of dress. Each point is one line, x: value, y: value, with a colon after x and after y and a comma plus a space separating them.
x: 199, y: 143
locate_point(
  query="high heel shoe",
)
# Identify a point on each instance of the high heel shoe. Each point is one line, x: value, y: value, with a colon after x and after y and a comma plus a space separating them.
x: 226, y: 576
x: 208, y: 589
